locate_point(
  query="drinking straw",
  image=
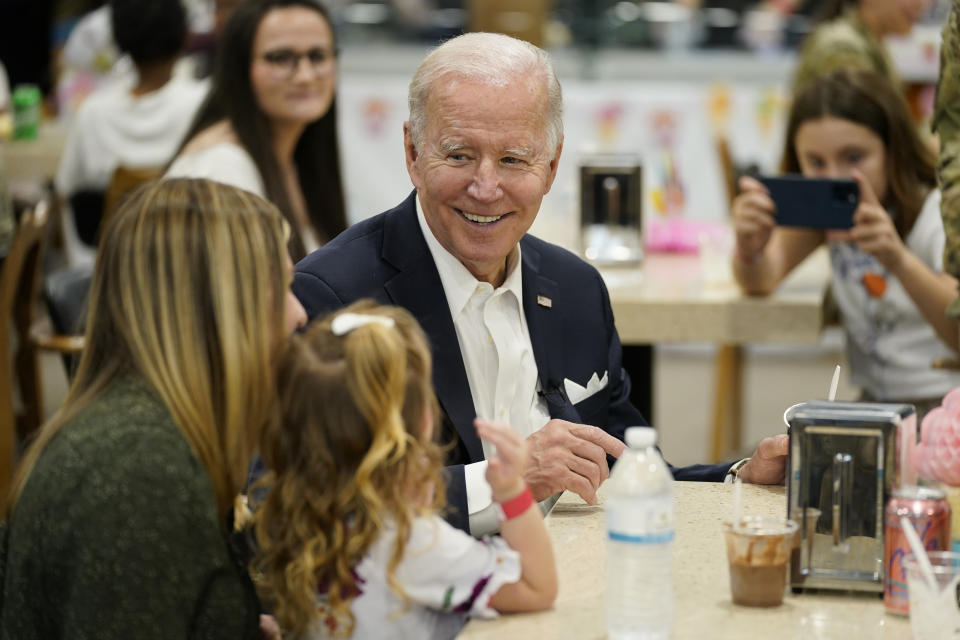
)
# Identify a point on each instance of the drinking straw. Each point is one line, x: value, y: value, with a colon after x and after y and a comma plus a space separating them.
x: 919, y: 553
x: 833, y: 384
x: 737, y: 502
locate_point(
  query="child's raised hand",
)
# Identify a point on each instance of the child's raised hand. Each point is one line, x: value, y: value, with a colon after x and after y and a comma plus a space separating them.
x: 753, y: 216
x: 505, y: 469
x: 873, y: 230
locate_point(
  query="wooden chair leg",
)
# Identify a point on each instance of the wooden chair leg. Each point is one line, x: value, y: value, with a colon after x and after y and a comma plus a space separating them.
x: 727, y: 401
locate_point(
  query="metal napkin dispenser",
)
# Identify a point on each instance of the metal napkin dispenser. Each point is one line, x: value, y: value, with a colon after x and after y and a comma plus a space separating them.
x: 611, y: 220
x: 845, y: 459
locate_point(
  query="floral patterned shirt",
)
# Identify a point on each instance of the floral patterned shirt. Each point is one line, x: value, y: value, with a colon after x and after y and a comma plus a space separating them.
x: 447, y: 575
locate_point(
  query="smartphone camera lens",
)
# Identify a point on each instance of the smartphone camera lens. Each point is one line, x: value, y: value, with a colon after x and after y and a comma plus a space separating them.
x: 845, y: 193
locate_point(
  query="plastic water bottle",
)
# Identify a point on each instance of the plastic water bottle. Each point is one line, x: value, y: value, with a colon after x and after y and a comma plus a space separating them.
x: 639, y: 509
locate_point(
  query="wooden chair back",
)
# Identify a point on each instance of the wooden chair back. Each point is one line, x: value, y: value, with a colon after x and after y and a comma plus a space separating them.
x: 123, y: 181
x: 728, y: 170
x: 20, y: 278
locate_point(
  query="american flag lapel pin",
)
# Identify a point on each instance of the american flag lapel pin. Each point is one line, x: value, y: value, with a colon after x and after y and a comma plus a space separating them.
x: 544, y: 301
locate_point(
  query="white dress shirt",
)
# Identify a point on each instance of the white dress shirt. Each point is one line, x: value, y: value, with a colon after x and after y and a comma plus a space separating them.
x: 498, y: 358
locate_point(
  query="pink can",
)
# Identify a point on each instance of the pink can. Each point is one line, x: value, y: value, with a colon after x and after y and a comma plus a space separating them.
x: 929, y: 512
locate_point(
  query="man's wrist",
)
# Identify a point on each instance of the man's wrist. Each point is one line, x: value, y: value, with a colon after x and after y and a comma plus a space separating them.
x: 734, y: 471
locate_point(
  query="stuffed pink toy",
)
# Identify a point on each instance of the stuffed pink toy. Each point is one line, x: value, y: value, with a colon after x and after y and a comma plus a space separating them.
x: 937, y: 455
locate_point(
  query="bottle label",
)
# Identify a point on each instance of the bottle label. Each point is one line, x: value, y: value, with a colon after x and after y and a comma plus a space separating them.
x: 650, y: 538
x: 640, y: 521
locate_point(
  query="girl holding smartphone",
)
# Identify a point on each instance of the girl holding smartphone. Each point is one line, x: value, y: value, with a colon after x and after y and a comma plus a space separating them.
x: 887, y: 270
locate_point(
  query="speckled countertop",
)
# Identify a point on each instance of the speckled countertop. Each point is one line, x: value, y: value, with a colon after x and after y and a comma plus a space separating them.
x: 701, y: 581
x: 668, y: 300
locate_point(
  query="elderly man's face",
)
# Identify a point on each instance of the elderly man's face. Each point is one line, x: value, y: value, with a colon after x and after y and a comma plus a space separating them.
x: 483, y: 168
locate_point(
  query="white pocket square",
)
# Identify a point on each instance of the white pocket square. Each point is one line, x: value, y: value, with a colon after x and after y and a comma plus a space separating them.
x: 578, y: 394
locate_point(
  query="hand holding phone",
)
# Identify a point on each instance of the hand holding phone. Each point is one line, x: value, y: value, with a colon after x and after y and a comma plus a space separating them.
x: 753, y: 222
x: 814, y: 203
x: 875, y: 232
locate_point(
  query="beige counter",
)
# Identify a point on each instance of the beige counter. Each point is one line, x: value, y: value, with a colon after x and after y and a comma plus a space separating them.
x: 34, y: 159
x: 669, y: 300
x: 701, y: 588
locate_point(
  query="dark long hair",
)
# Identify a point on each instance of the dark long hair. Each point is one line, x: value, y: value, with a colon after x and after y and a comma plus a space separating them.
x: 317, y: 155
x: 868, y: 99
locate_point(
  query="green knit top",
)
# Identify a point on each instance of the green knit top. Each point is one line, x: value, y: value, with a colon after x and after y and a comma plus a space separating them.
x: 116, y: 535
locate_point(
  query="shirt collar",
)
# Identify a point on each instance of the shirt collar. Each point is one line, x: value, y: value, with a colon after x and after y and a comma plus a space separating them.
x: 458, y: 283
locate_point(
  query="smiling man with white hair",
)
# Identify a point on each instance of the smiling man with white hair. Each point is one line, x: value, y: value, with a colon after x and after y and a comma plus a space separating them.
x: 521, y: 330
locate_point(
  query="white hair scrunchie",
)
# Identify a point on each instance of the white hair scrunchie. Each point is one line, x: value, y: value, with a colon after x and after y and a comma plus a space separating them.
x: 347, y: 322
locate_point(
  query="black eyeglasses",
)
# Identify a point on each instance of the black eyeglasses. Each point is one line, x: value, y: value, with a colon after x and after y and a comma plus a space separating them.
x: 287, y: 61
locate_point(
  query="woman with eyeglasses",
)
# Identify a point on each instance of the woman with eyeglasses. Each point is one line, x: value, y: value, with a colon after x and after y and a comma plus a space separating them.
x: 269, y: 124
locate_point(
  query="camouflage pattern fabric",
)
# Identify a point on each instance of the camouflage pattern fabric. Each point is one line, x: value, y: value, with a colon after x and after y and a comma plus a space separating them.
x: 843, y: 43
x: 946, y: 122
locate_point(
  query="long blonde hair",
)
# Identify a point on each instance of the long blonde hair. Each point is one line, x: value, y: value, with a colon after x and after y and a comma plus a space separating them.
x: 188, y: 293
x: 351, y: 454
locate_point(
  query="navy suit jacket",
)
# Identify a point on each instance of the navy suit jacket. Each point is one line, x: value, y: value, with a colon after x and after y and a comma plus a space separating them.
x: 565, y: 302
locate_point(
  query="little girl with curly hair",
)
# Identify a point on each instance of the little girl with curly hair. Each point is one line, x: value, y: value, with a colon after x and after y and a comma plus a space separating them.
x: 351, y: 541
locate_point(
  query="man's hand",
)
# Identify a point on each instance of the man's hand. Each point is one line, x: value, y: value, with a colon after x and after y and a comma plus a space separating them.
x: 568, y: 456
x: 768, y: 463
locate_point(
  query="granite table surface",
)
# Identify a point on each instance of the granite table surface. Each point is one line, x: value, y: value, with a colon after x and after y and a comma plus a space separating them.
x: 703, y: 609
x: 668, y: 299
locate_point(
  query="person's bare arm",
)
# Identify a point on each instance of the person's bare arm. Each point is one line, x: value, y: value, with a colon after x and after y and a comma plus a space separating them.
x: 875, y: 233
x: 932, y: 293
x: 526, y: 533
x: 765, y: 253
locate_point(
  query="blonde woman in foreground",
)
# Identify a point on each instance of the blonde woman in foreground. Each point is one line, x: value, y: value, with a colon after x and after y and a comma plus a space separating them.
x: 117, y: 524
x: 351, y: 539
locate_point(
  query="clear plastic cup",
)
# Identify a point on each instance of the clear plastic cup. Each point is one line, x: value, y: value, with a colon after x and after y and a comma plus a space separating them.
x: 758, y: 552
x: 716, y: 249
x: 802, y: 540
x: 934, y: 613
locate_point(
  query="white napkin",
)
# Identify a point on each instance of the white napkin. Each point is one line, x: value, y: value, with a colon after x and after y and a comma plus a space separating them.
x: 578, y: 394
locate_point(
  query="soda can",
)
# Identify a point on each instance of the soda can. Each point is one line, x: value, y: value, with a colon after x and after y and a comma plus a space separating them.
x: 26, y: 111
x: 929, y: 512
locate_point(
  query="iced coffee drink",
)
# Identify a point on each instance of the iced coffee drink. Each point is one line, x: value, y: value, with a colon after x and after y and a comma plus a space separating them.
x: 758, y: 550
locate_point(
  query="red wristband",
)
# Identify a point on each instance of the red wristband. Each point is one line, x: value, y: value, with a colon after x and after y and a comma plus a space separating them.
x: 515, y: 506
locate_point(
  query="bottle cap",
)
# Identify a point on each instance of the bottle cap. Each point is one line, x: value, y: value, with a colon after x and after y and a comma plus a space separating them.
x: 640, y: 437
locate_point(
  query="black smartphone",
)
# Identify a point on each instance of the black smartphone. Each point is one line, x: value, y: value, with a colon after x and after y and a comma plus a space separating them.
x: 817, y: 203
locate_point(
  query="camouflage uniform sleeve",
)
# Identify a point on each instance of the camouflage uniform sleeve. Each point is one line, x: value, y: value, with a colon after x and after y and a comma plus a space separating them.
x: 831, y: 47
x: 946, y: 122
